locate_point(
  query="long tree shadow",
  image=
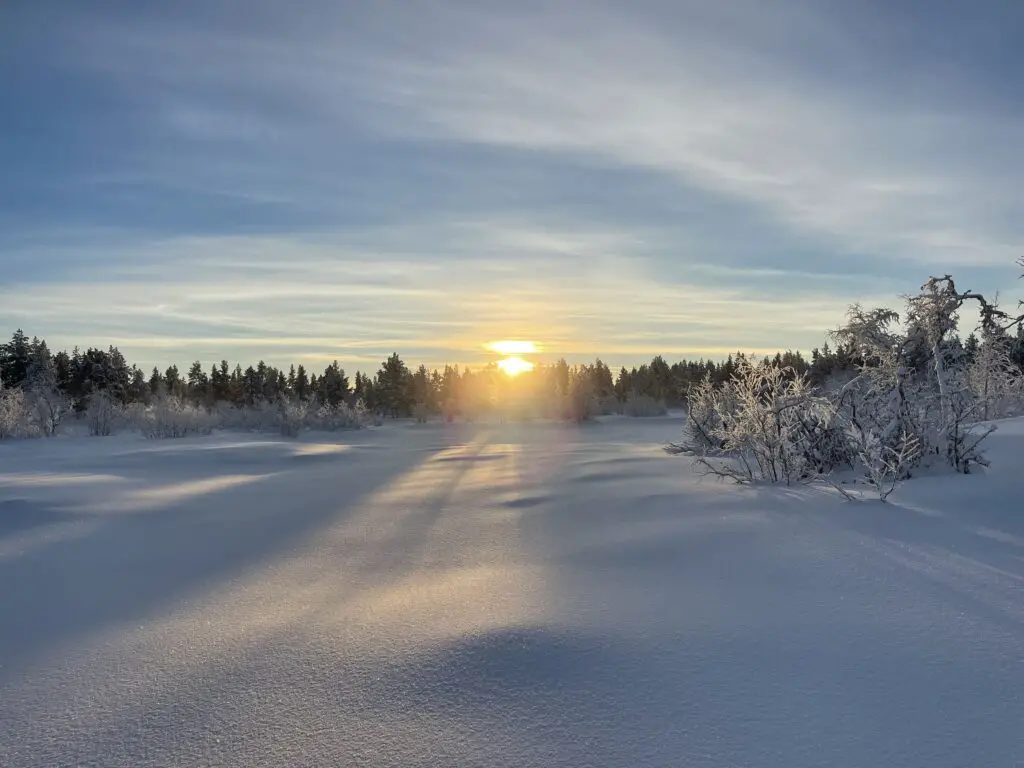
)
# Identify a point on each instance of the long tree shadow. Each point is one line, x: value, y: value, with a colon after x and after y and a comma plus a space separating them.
x: 22, y: 515
x: 128, y: 565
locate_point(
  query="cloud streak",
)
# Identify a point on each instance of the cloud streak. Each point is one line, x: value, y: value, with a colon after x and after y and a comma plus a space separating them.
x: 682, y: 177
x: 574, y: 294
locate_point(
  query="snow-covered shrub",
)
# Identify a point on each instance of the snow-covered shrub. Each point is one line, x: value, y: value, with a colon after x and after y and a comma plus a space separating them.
x: 879, y: 419
x: 49, y: 407
x: 639, y: 406
x: 291, y: 417
x: 421, y: 413
x: 918, y: 395
x: 171, y: 417
x: 102, y: 414
x: 950, y: 406
x: 995, y: 380
x: 580, y: 404
x: 963, y: 434
x: 764, y: 424
x: 706, y: 407
x: 880, y: 407
x: 16, y: 415
x: 365, y: 417
x: 261, y: 417
x: 227, y: 416
x: 332, y: 418
x: 886, y: 462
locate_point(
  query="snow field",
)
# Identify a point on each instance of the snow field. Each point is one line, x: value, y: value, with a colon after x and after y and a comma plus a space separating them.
x: 497, y: 595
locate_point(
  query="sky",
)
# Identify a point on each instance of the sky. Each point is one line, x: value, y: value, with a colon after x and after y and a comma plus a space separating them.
x: 311, y: 180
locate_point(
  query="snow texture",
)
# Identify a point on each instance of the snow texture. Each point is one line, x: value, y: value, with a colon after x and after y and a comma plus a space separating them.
x: 497, y: 595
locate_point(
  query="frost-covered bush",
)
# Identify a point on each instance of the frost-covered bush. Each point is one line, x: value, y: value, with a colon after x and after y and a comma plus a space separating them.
x: 16, y: 418
x: 639, y: 406
x: 879, y: 407
x: 171, y: 417
x: 421, y: 413
x: 102, y: 415
x: 291, y: 417
x: 916, y: 396
x: 764, y: 424
x: 580, y: 403
x: 995, y: 380
x: 261, y: 417
x: 332, y: 418
x: 48, y: 407
x: 366, y: 417
x: 952, y: 397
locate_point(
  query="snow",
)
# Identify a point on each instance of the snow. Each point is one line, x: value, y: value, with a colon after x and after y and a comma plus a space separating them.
x: 497, y: 595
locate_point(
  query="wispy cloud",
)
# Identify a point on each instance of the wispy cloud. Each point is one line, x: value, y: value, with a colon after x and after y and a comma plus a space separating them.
x: 870, y: 170
x: 280, y: 298
x: 684, y: 177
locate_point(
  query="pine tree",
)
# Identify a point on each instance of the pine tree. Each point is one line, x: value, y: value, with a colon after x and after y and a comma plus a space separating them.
x: 42, y: 371
x: 157, y: 384
x: 172, y: 381
x: 971, y: 347
x: 198, y: 382
x: 62, y: 367
x: 301, y: 388
x: 138, y: 388
x: 334, y: 385
x: 421, y: 393
x: 391, y: 387
x: 15, y: 359
x: 623, y: 385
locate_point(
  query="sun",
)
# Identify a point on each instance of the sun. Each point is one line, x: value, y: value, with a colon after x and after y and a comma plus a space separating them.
x: 513, y: 366
x: 513, y: 363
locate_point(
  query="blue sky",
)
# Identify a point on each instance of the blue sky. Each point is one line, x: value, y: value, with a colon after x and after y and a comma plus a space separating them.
x: 316, y: 180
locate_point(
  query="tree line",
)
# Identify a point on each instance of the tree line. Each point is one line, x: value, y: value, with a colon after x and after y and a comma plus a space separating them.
x: 558, y: 390
x: 395, y: 388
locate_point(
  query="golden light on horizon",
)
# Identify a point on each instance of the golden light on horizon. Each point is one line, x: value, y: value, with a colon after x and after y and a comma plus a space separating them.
x: 511, y: 347
x: 513, y: 366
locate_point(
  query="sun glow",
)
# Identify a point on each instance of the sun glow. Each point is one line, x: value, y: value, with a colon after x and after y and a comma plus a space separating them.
x: 511, y: 348
x: 513, y: 366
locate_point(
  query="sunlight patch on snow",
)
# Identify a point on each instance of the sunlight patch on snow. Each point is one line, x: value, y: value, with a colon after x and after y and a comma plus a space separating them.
x: 447, y: 605
x: 320, y: 449
x: 164, y: 494
x: 1007, y: 538
x: 50, y: 479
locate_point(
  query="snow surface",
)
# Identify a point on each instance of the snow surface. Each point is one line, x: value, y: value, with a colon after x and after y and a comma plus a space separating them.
x: 497, y: 595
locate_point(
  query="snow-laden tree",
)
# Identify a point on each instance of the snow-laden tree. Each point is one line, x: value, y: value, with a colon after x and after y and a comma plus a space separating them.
x: 47, y: 403
x: 171, y: 417
x: 994, y: 378
x: 291, y: 416
x: 874, y: 410
x: 49, y: 406
x: 15, y: 414
x: 102, y: 414
x: 960, y: 392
